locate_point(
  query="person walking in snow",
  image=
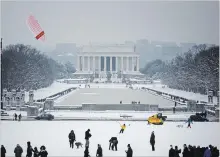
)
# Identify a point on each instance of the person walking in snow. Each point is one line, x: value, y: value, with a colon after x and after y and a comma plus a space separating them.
x: 15, y: 116
x: 18, y: 151
x: 171, y: 151
x: 189, y: 121
x: 152, y: 141
x: 123, y: 127
x: 43, y: 152
x: 129, y: 152
x: 36, y: 152
x: 72, y: 138
x: 99, y: 151
x: 87, y: 136
x: 3, y: 151
x: 177, y: 152
x: 185, y: 151
x: 29, y: 149
x: 19, y: 117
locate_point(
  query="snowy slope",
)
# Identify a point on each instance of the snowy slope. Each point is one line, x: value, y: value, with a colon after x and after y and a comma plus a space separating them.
x: 54, y: 135
x: 185, y: 94
x: 53, y: 89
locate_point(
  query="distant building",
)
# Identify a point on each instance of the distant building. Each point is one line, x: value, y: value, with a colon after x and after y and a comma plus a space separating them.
x: 103, y: 59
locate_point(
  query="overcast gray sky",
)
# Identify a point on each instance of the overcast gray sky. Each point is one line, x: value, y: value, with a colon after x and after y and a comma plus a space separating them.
x: 82, y: 22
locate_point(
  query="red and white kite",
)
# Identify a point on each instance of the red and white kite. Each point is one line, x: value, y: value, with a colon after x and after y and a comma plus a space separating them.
x: 36, y: 28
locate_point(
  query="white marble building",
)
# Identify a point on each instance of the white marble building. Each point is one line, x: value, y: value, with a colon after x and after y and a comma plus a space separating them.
x: 101, y: 59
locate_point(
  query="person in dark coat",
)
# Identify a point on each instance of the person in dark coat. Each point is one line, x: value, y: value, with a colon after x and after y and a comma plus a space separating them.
x: 86, y: 152
x: 171, y: 151
x: 177, y: 152
x: 99, y: 151
x: 36, y: 152
x: 15, y: 116
x: 29, y: 149
x: 207, y: 153
x: 191, y: 153
x: 185, y: 151
x: 129, y: 152
x: 72, y: 138
x: 113, y: 143
x: 18, y: 151
x: 152, y: 141
x: 3, y: 151
x: 87, y: 136
x: 43, y: 152
x: 215, y: 152
x: 19, y: 117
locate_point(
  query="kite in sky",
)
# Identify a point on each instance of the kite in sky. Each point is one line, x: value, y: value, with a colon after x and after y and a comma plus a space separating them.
x: 36, y: 28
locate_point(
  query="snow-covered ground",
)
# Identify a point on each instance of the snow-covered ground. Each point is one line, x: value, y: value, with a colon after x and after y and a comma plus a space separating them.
x: 185, y: 94
x: 57, y: 87
x: 48, y: 91
x: 103, y: 115
x: 54, y: 135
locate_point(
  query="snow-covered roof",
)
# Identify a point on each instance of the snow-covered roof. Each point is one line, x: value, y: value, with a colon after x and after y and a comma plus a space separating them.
x: 108, y: 48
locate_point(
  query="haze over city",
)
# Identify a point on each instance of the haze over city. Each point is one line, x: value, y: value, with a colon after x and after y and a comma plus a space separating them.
x: 111, y: 22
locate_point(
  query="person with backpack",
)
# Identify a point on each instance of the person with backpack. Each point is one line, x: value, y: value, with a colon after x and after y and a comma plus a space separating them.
x: 18, y: 151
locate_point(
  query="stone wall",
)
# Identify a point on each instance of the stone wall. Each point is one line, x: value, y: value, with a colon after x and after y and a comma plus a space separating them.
x: 126, y: 107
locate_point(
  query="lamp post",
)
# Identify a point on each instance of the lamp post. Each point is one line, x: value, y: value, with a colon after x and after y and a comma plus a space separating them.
x: 1, y: 75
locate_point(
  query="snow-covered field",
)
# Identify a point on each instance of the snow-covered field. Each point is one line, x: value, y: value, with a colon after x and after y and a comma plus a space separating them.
x: 107, y: 115
x: 54, y: 135
x: 57, y: 87
x: 112, y: 96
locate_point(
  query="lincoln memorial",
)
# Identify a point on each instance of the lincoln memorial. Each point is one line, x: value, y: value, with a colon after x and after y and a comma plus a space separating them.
x: 108, y: 58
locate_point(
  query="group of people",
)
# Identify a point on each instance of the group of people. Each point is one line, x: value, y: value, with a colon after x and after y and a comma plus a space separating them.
x: 17, y: 117
x: 18, y: 151
x: 193, y: 151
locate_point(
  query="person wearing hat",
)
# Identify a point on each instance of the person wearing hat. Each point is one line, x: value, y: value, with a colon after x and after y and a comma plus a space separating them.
x: 87, y: 136
x: 43, y: 152
x: 99, y: 151
x: 152, y: 141
x: 129, y: 152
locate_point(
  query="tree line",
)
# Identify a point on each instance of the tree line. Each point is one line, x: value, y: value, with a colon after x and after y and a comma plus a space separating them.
x: 196, y: 70
x: 24, y: 67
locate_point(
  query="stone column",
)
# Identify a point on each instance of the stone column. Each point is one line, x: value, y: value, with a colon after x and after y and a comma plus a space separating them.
x: 111, y: 63
x: 93, y: 66
x: 122, y: 64
x: 83, y: 61
x: 132, y: 63
x: 127, y: 66
x: 99, y: 63
x: 116, y: 64
x: 89, y: 63
x: 138, y: 63
x: 104, y: 63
